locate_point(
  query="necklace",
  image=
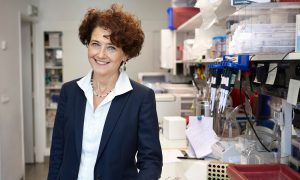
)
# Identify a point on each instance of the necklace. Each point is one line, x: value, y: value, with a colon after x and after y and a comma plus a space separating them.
x: 95, y: 92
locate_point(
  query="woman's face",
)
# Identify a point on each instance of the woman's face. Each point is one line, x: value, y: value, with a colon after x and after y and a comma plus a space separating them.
x: 104, y: 57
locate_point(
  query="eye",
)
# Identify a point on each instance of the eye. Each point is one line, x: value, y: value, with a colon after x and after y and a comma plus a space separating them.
x: 111, y: 48
x: 95, y: 45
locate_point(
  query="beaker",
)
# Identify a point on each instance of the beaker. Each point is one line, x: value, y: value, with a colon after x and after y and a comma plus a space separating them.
x: 231, y: 127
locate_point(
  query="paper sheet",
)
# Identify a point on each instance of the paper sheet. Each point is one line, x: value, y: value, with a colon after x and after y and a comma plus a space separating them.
x: 201, y: 135
x: 190, y: 150
x: 272, y: 72
x: 293, y: 92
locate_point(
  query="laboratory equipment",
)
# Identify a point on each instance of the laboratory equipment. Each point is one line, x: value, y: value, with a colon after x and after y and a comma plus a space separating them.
x: 174, y: 127
x: 217, y: 170
x: 248, y: 155
x: 226, y: 151
x: 202, y: 108
x: 215, y: 81
x: 231, y: 128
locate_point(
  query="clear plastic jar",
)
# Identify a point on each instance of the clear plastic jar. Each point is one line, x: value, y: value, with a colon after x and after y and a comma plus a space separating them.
x: 219, y: 46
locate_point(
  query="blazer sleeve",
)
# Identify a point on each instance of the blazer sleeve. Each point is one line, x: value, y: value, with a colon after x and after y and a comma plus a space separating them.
x: 149, y: 156
x: 57, y: 146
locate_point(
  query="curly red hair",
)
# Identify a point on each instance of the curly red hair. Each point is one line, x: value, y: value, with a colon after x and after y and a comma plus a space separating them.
x: 126, y: 31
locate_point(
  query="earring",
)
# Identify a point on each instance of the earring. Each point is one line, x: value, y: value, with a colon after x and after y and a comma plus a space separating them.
x: 124, y: 65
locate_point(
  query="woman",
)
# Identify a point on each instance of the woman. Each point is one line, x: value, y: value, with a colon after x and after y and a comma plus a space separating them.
x: 106, y: 125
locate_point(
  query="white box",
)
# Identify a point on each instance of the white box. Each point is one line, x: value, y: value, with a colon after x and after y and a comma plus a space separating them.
x: 174, y: 127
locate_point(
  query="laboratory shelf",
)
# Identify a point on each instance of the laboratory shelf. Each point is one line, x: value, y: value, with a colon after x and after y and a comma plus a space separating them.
x: 53, y: 47
x: 53, y: 67
x: 276, y: 57
x: 221, y: 11
x: 225, y: 10
x: 274, y: 5
x: 51, y: 108
x: 197, y: 61
x: 191, y: 24
x: 53, y: 87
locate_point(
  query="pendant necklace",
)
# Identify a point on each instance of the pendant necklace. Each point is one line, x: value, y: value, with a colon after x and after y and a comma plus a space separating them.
x: 95, y: 92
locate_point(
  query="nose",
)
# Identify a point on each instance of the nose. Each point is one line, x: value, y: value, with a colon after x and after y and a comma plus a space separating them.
x: 101, y: 53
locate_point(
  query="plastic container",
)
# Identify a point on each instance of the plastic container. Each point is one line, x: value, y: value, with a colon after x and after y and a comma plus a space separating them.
x: 219, y: 46
x: 179, y: 15
x: 261, y: 171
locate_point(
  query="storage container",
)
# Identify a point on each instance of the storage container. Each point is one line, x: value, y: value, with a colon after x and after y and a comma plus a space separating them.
x: 219, y: 46
x: 261, y: 171
x: 179, y: 15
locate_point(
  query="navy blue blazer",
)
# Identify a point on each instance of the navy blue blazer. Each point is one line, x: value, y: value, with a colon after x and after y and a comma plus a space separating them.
x: 131, y: 130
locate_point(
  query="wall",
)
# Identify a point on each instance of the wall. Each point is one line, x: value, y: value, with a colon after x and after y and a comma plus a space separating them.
x: 56, y: 15
x: 11, y: 137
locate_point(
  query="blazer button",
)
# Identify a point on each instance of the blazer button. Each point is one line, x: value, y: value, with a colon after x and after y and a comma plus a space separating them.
x: 98, y: 178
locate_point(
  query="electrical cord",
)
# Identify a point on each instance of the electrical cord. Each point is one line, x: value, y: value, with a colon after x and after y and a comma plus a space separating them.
x: 247, y: 117
x: 281, y: 61
x: 244, y: 108
x: 250, y: 81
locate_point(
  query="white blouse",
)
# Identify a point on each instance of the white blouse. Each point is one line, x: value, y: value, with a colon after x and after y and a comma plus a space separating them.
x: 94, y: 122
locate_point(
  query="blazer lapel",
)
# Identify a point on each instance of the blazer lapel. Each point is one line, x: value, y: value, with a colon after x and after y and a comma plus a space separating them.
x: 112, y: 118
x: 79, y: 112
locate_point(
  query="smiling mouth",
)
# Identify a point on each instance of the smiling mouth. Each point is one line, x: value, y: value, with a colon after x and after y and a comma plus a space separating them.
x: 102, y: 62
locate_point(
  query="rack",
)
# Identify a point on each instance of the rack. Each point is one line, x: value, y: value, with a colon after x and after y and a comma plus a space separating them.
x: 53, y: 70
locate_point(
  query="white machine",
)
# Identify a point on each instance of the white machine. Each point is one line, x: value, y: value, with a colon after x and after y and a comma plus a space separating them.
x: 166, y: 105
x: 171, y: 99
x: 226, y: 151
x: 174, y: 127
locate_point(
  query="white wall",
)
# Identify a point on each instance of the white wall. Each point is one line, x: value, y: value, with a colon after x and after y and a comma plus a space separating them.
x: 66, y: 15
x: 57, y: 15
x: 12, y: 156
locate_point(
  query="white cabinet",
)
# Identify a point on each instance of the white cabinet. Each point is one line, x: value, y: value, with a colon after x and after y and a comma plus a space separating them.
x: 53, y: 53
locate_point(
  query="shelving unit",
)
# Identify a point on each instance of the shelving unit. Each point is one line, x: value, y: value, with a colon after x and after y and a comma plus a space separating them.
x: 224, y: 11
x: 191, y: 24
x: 187, y: 30
x: 53, y: 80
x: 53, y: 67
x: 274, y: 57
